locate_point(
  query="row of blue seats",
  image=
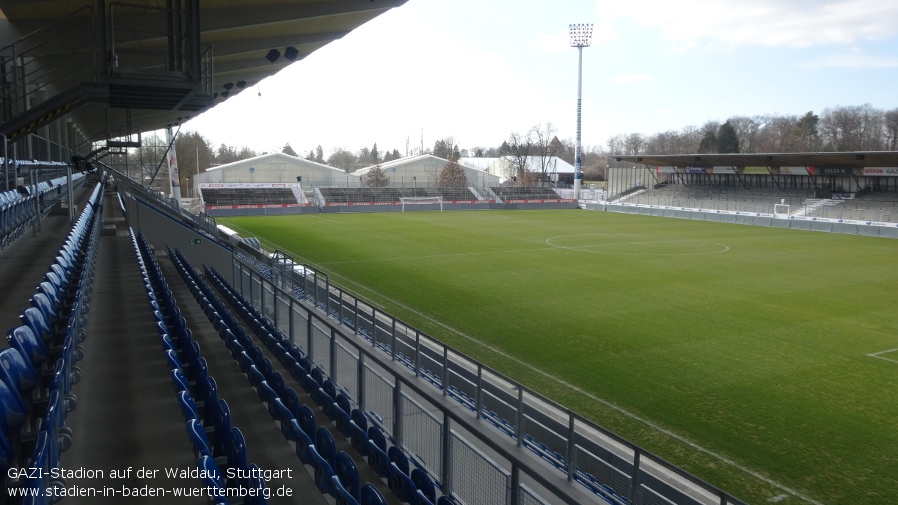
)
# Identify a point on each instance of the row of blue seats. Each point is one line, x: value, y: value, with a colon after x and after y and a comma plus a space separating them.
x: 541, y: 449
x: 17, y: 209
x: 390, y: 462
x: 38, y: 370
x: 335, y: 472
x: 205, y: 414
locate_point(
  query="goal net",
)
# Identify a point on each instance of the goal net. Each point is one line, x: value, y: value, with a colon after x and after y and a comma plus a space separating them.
x: 781, y: 211
x: 434, y: 201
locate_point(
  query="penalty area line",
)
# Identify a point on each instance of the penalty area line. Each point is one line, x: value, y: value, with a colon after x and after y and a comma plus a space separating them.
x: 878, y: 355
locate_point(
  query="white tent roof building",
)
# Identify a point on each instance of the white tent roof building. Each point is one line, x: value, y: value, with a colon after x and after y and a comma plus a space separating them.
x: 424, y: 171
x: 278, y: 168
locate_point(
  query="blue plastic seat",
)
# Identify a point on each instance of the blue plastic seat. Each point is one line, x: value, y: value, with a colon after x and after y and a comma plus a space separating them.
x: 303, y: 441
x: 307, y: 420
x: 178, y: 380
x: 43, y: 303
x: 358, y: 438
x: 188, y: 406
x: 213, y: 479
x: 399, y: 458
x: 326, y: 402
x: 34, y: 319
x: 283, y: 416
x: 348, y: 473
x: 401, y: 484
x: 198, y: 437
x: 424, y: 484
x: 325, y: 444
x: 292, y: 401
x: 257, y: 484
x: 18, y: 372
x: 13, y: 411
x: 378, y: 460
x: 371, y: 496
x: 344, y: 497
x: 236, y: 451
x: 276, y: 381
x: 324, y: 473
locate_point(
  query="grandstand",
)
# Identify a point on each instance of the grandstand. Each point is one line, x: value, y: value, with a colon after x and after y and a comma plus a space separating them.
x: 241, y: 195
x: 526, y: 194
x: 393, y: 196
x: 838, y: 187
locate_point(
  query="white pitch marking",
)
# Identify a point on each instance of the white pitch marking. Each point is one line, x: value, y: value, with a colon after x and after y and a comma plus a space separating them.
x: 878, y: 355
x: 591, y: 396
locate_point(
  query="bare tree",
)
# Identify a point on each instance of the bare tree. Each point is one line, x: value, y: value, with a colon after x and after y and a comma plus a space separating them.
x: 891, y: 127
x: 544, y: 148
x: 195, y: 155
x: 520, y: 147
x: 341, y: 158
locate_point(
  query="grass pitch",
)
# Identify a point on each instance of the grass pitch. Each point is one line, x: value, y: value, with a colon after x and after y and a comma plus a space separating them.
x: 763, y: 360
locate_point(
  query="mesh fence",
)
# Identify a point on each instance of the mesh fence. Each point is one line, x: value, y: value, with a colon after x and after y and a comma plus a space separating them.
x: 321, y: 346
x: 528, y: 497
x: 600, y: 473
x: 300, y: 327
x: 379, y: 397
x: 346, y: 376
x: 268, y: 301
x: 422, y: 435
x: 480, y: 481
x: 283, y: 312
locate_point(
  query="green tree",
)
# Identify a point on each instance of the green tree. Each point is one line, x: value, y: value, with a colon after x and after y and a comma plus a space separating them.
x: 727, y: 140
x: 452, y: 176
x: 708, y: 143
x: 319, y: 154
x: 806, y: 131
x: 377, y: 178
x: 375, y: 156
x: 288, y: 150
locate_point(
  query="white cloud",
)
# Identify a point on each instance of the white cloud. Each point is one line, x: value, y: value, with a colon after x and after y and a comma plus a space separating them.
x: 776, y: 23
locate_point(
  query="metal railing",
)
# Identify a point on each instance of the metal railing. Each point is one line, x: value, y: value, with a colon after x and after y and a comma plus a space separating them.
x: 348, y: 338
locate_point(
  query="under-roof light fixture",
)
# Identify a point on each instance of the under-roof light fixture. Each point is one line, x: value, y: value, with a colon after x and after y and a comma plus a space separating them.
x: 225, y: 94
x: 273, y: 55
x: 241, y: 84
x: 581, y: 36
x: 228, y: 85
x: 860, y: 157
x: 291, y: 53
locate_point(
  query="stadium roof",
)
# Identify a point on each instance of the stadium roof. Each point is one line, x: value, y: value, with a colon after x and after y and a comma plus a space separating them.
x: 857, y: 159
x: 116, y: 69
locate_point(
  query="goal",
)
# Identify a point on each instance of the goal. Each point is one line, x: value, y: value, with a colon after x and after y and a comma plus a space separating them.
x: 781, y: 211
x: 422, y: 200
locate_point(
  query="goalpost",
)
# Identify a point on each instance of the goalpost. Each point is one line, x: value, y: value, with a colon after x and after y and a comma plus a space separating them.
x: 421, y: 200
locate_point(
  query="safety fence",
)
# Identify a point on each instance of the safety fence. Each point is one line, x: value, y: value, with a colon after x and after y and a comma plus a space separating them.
x: 483, y: 452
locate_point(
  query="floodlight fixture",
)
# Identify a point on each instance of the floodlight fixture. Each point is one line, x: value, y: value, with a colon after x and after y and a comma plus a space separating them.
x: 273, y: 55
x: 291, y: 53
x: 581, y: 34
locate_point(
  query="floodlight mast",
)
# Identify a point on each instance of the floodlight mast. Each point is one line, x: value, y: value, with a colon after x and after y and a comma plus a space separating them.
x: 581, y: 36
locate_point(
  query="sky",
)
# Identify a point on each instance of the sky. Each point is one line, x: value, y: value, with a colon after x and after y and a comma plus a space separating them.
x: 478, y: 71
